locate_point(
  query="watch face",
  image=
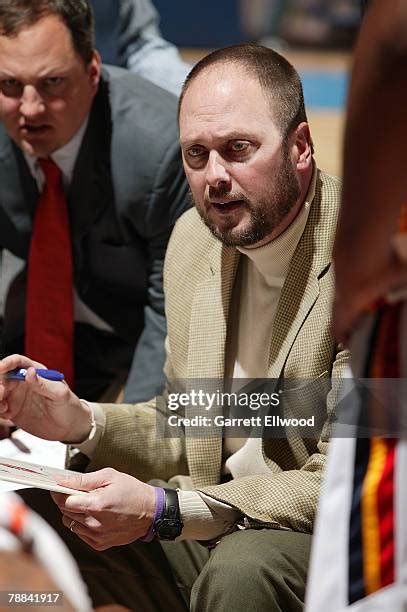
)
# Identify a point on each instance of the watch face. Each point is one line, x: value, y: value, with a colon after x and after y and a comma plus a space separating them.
x: 168, y: 529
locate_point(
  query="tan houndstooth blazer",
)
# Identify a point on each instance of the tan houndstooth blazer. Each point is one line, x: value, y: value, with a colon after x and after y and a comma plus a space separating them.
x: 199, y: 277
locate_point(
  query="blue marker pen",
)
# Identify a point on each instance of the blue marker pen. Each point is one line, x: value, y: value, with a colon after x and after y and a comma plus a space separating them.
x: 19, y: 374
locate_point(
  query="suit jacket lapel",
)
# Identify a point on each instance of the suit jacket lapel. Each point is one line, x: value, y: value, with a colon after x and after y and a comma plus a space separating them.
x: 206, y: 359
x: 210, y: 311
x: 301, y: 288
x: 91, y: 181
x: 295, y: 303
x: 19, y: 204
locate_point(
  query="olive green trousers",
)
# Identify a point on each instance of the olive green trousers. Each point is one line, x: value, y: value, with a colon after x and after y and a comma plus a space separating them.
x: 258, y: 570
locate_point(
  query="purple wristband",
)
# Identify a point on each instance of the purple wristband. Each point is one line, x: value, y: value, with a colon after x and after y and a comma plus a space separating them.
x: 159, y: 509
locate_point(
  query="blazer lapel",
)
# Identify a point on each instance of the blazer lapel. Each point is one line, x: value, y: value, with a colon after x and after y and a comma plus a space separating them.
x: 210, y: 311
x: 298, y: 296
x: 19, y: 204
x: 91, y: 181
x: 206, y: 359
x: 301, y: 288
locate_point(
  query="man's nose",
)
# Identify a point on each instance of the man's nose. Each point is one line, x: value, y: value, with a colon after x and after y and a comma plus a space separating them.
x: 217, y: 174
x: 32, y: 103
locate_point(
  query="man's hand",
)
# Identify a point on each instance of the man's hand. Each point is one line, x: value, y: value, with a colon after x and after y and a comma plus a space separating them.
x: 118, y: 509
x: 44, y: 408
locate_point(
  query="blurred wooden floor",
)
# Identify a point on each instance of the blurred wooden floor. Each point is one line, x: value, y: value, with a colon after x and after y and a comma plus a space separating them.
x: 326, y: 124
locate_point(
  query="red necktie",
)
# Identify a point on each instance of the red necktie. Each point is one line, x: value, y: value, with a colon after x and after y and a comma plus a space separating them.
x: 49, y: 327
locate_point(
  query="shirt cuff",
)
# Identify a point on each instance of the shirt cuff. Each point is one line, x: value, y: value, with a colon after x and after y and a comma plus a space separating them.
x: 88, y: 446
x: 205, y: 518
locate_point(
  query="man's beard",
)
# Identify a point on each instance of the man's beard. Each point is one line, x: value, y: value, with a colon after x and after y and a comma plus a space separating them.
x: 265, y: 216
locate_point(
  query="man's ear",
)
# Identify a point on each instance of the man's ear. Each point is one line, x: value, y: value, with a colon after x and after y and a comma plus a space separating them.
x: 93, y: 70
x: 303, y: 146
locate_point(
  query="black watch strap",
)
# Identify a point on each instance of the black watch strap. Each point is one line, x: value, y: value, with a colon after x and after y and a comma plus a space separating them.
x: 169, y: 525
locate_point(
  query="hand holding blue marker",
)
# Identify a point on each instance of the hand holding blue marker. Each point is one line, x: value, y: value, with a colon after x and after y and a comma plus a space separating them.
x: 19, y: 374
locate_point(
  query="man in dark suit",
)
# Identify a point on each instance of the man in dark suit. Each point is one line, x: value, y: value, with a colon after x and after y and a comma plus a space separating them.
x: 114, y: 138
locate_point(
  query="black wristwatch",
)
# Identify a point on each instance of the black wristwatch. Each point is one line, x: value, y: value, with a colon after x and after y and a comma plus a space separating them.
x: 169, y: 525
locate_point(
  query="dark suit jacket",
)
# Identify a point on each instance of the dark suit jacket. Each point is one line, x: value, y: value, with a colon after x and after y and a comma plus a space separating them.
x: 127, y: 190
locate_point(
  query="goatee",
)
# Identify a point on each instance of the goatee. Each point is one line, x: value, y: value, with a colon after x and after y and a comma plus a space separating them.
x: 265, y: 214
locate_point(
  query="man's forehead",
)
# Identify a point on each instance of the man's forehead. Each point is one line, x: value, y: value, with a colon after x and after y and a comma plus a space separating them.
x: 217, y: 88
x: 37, y: 49
x: 226, y: 76
x: 223, y: 101
x: 47, y: 33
